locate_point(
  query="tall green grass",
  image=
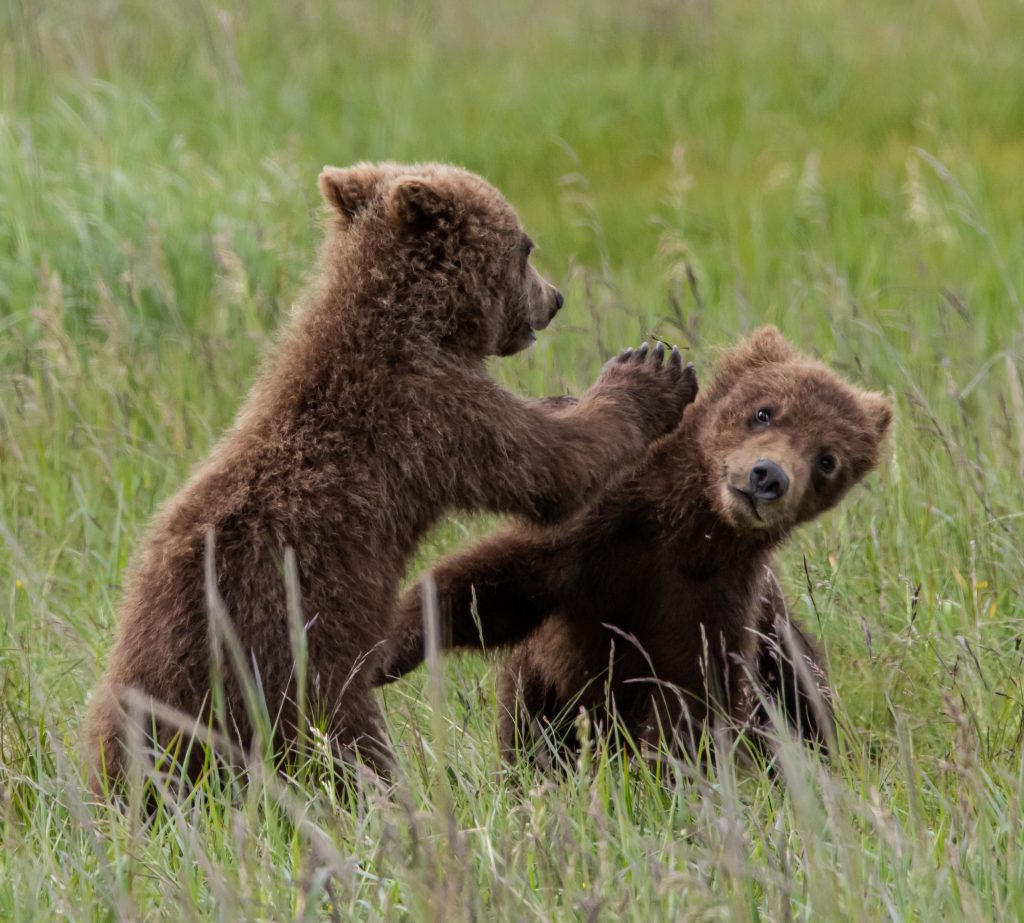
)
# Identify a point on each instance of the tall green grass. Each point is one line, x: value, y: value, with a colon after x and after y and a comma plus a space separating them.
x: 851, y: 172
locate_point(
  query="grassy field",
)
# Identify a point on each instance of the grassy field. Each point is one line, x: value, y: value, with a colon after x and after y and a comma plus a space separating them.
x: 851, y: 172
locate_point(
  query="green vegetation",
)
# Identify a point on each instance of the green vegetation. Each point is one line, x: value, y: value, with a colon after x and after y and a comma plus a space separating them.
x: 851, y: 172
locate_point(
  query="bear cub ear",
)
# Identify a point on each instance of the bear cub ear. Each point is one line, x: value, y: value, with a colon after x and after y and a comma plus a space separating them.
x: 418, y: 206
x: 764, y: 346
x: 349, y: 190
x: 879, y: 410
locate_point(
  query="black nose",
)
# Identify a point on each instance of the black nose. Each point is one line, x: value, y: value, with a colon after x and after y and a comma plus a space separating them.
x: 559, y: 300
x: 768, y: 481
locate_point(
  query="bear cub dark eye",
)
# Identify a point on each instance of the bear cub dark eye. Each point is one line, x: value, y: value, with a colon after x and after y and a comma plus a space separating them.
x: 764, y: 416
x: 525, y: 247
x: 827, y: 462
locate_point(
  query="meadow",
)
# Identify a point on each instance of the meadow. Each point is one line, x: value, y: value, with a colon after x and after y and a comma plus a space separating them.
x: 853, y: 173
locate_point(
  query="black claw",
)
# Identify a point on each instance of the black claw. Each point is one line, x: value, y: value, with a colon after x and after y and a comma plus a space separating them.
x: 642, y: 352
x: 659, y: 353
x: 625, y: 354
x: 675, y: 358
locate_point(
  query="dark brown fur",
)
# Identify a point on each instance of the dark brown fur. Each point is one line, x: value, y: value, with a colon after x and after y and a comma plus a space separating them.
x: 668, y: 575
x: 373, y: 416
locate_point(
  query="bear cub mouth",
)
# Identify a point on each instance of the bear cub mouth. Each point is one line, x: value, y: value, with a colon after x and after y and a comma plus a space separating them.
x: 748, y: 501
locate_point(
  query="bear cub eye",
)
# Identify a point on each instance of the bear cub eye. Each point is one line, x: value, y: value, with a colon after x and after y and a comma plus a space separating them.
x: 827, y: 462
x: 525, y: 247
x: 764, y: 416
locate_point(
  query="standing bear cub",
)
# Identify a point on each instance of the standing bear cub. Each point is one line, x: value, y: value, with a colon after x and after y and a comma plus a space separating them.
x: 373, y: 416
x: 659, y: 599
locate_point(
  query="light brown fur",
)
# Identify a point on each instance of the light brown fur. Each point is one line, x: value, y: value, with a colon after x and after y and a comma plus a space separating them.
x: 373, y: 415
x: 668, y: 574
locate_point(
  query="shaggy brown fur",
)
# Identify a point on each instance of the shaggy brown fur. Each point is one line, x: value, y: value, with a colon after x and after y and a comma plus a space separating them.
x: 668, y: 575
x: 373, y: 416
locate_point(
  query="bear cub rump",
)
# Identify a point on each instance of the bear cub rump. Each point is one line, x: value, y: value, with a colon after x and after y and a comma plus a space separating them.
x: 373, y: 415
x: 659, y: 599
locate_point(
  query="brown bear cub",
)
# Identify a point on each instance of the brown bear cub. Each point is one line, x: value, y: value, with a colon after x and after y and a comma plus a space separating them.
x: 373, y: 416
x: 659, y: 598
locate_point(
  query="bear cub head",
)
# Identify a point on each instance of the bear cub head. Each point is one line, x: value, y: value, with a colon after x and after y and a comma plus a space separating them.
x: 452, y: 249
x: 781, y: 437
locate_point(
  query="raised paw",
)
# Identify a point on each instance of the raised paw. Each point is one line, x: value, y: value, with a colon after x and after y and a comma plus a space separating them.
x: 657, y: 389
x: 639, y: 355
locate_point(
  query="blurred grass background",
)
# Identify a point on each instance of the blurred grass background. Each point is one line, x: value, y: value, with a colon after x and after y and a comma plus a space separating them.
x: 850, y: 172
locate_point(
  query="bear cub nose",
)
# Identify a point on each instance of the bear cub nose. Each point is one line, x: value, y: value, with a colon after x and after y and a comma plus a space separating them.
x: 768, y: 481
x: 559, y: 301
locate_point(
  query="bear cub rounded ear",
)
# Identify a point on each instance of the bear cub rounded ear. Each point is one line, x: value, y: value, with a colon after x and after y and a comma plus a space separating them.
x: 349, y: 190
x: 418, y: 206
x: 880, y: 411
x: 765, y: 346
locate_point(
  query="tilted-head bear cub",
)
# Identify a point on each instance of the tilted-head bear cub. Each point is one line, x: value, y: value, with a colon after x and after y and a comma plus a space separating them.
x: 374, y: 415
x: 659, y: 598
